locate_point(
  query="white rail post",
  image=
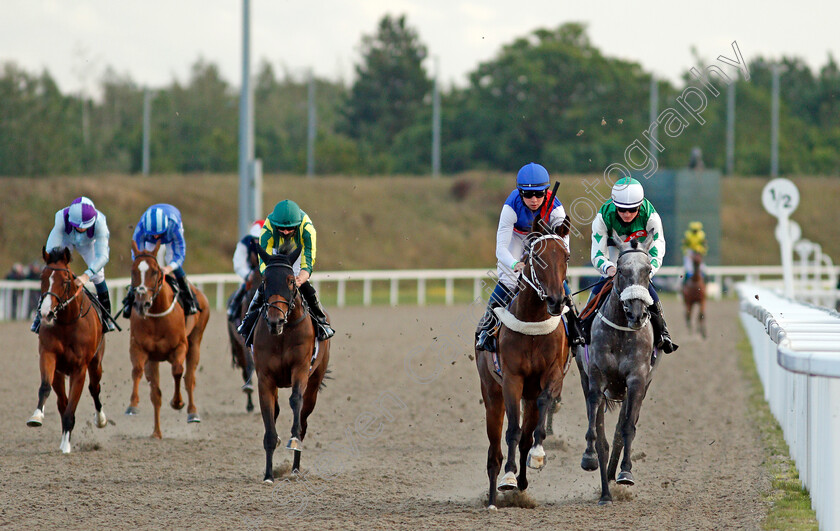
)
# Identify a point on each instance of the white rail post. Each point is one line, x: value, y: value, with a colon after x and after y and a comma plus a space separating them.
x: 450, y: 291
x: 220, y: 296
x: 366, y: 292
x: 341, y: 293
x: 421, y: 291
x: 395, y: 291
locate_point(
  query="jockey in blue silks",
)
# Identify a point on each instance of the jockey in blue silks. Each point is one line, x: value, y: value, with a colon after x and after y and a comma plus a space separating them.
x: 162, y: 223
x: 83, y: 228
x: 521, y: 207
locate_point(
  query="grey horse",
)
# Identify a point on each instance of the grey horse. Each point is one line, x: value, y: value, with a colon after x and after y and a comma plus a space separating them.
x: 618, y: 366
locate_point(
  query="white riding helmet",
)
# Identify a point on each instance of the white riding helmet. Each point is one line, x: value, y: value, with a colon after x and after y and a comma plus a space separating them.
x: 627, y: 193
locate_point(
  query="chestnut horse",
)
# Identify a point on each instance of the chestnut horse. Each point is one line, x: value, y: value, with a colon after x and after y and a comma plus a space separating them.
x: 70, y: 343
x: 534, y: 356
x: 284, y: 343
x: 159, y: 333
x: 694, y: 292
x: 242, y: 356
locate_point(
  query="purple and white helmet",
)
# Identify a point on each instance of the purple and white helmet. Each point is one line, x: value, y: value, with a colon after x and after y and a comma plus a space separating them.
x: 82, y: 213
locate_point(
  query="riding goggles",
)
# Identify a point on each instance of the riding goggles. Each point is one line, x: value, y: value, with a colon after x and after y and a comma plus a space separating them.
x: 529, y: 194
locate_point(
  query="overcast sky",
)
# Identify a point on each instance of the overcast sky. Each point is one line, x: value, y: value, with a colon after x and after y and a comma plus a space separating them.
x: 156, y: 41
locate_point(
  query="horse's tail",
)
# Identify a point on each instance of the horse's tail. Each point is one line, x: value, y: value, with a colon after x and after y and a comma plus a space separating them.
x: 612, y: 404
x: 327, y: 376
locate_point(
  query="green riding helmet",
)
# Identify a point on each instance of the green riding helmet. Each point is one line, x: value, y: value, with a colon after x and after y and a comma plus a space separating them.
x: 286, y: 214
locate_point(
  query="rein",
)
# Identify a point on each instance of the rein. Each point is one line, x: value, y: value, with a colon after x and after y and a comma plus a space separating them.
x: 158, y: 288
x: 534, y: 282
x: 621, y: 297
x: 290, y: 304
x: 62, y: 303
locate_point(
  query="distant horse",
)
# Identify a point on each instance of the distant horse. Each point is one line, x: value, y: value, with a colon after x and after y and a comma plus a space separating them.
x: 285, y: 355
x: 534, y: 358
x: 694, y: 292
x: 618, y: 365
x: 159, y: 332
x: 70, y: 343
x: 241, y: 355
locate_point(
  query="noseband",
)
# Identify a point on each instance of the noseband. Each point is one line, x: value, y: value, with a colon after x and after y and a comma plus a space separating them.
x: 623, y: 295
x: 158, y: 288
x: 534, y: 282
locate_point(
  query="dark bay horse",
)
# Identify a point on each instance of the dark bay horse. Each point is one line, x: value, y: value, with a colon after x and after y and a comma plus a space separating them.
x: 618, y: 366
x: 534, y: 356
x: 241, y: 355
x: 694, y: 293
x: 70, y: 343
x: 159, y: 332
x: 284, y: 343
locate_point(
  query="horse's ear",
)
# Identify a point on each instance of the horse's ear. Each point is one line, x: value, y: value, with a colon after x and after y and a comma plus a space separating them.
x: 66, y: 255
x: 134, y: 247
x: 45, y: 255
x: 157, y: 248
x: 264, y: 256
x: 293, y: 256
x: 564, y: 229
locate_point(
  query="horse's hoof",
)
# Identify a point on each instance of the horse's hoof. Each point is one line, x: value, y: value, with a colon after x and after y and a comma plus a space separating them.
x: 625, y: 478
x: 65, y: 443
x: 294, y: 444
x: 101, y: 420
x: 268, y: 481
x: 36, y: 420
x: 176, y: 405
x: 605, y: 501
x: 536, y: 457
x: 492, y: 508
x: 193, y: 418
x: 132, y: 410
x: 508, y: 482
x: 248, y: 387
x: 249, y: 408
x: 589, y: 463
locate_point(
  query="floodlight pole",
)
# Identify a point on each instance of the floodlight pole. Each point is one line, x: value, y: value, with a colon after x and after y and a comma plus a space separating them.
x: 247, y: 202
x: 436, y: 122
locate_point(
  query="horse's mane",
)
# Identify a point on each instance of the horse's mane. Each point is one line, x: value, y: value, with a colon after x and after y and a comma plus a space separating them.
x: 57, y: 253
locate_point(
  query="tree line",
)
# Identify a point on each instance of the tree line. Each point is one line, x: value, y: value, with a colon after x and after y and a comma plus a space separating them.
x: 549, y: 96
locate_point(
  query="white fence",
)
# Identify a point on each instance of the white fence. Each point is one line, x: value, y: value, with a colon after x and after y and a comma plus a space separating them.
x: 796, y: 347
x: 17, y: 298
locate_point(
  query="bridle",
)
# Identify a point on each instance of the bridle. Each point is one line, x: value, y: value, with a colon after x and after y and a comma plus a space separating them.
x: 290, y: 304
x: 615, y: 292
x: 534, y: 281
x: 62, y: 303
x: 157, y: 289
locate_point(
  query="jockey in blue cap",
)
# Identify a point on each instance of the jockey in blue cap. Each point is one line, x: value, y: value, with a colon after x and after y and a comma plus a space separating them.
x: 83, y: 228
x: 521, y: 207
x: 162, y: 223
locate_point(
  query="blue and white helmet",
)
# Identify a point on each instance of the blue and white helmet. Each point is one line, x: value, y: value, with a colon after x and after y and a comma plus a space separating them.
x: 155, y: 221
x: 532, y: 176
x: 82, y: 213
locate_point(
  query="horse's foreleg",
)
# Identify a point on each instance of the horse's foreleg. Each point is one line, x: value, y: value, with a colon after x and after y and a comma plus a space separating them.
x: 296, y: 403
x: 138, y: 361
x: 153, y: 376
x: 494, y: 413
x: 177, y: 360
x: 603, y: 448
x: 268, y: 404
x: 95, y: 371
x: 47, y: 366
x: 530, y: 419
x: 633, y: 404
x: 594, y: 402
x: 618, y: 443
x: 68, y: 418
x: 193, y: 357
x: 512, y: 389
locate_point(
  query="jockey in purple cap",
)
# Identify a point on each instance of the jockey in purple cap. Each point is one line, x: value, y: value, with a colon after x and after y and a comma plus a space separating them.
x: 83, y: 228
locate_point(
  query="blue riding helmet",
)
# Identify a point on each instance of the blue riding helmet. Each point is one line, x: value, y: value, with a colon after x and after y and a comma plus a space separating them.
x: 532, y: 176
x: 155, y: 221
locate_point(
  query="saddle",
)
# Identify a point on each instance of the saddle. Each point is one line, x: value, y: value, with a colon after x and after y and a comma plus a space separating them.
x: 180, y: 295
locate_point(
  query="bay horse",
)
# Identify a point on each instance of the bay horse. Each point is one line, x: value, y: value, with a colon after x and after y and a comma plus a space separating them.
x: 159, y: 332
x: 618, y: 365
x: 242, y: 356
x: 284, y: 348
x: 70, y: 343
x: 534, y: 358
x: 694, y: 293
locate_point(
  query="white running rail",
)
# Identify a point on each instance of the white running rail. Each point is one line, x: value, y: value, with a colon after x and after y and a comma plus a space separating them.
x: 796, y: 347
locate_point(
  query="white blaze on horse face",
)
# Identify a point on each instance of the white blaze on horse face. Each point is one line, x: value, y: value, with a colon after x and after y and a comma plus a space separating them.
x: 47, y: 305
x: 143, y: 267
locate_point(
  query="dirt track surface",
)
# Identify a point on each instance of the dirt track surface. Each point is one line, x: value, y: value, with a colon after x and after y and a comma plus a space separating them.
x: 397, y: 440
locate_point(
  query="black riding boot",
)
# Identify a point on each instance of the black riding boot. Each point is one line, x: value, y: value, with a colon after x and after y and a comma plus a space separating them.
x: 660, y: 330
x: 105, y: 300
x: 485, y: 338
x: 323, y: 329
x: 190, y: 304
x: 36, y: 324
x: 128, y: 302
x: 236, y: 303
x: 576, y: 337
x: 250, y: 319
